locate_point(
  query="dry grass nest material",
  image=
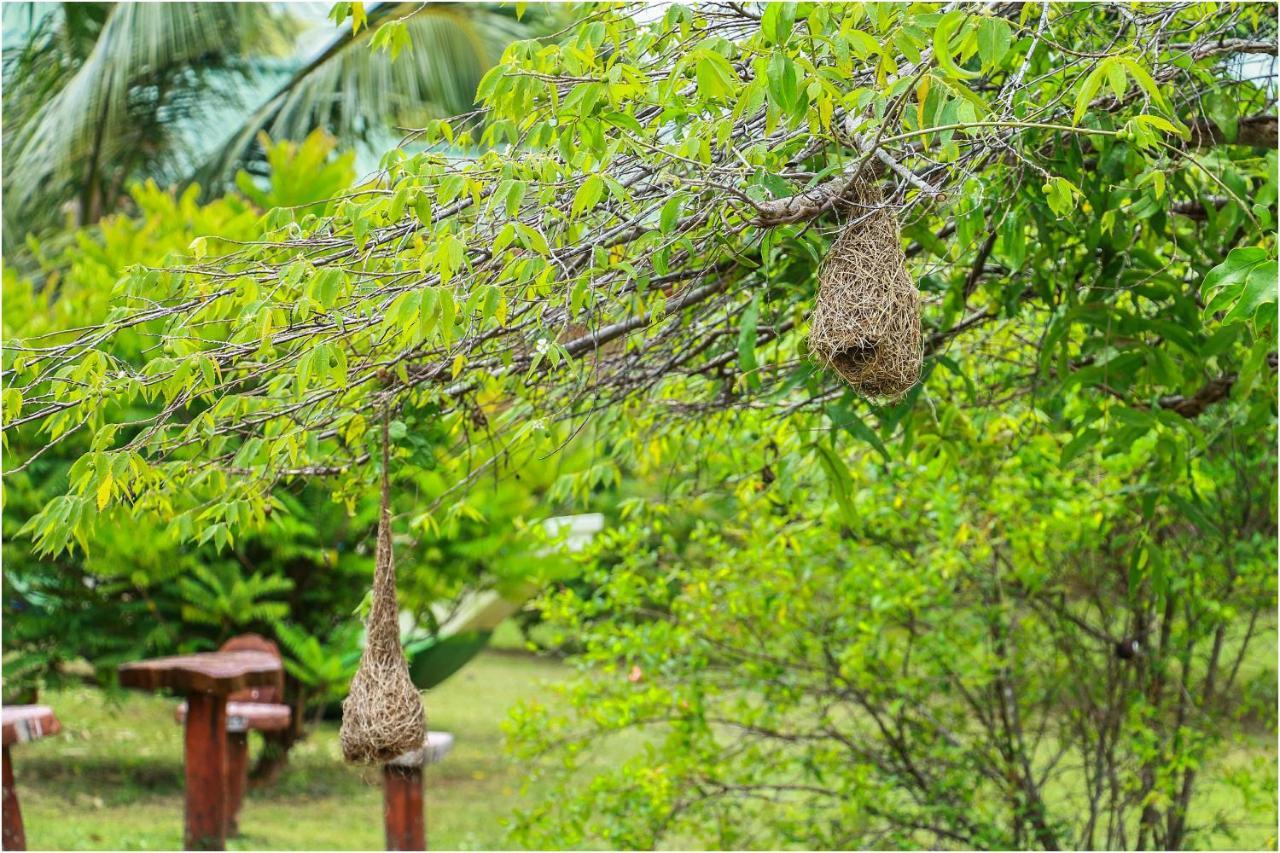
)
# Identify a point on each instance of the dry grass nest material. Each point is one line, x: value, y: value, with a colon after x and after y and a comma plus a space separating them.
x: 382, y: 716
x: 866, y: 324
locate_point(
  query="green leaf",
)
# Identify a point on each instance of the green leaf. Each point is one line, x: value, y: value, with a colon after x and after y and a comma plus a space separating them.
x: 104, y: 492
x: 1116, y: 78
x: 1258, y: 289
x: 1082, y: 441
x: 395, y: 210
x: 862, y: 44
x: 451, y: 254
x: 858, y: 428
x: 946, y: 28
x: 1061, y: 194
x: 716, y: 78
x: 324, y: 287
x: 1088, y: 89
x: 783, y: 82
x: 994, y: 41
x: 839, y: 479
x: 583, y: 98
x: 588, y: 195
x: 1144, y: 80
x: 1235, y: 267
x: 393, y: 36
x: 670, y: 214
x: 1162, y: 124
x: 1222, y: 111
x: 777, y: 21
x: 422, y: 208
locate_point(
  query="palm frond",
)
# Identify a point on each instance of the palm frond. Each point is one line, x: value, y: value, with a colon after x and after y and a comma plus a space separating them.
x: 147, y: 65
x: 354, y: 92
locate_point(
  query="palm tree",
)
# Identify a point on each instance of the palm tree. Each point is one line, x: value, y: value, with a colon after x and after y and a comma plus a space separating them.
x: 98, y: 95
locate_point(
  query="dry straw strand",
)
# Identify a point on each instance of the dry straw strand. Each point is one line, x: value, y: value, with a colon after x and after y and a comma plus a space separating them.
x: 866, y: 323
x: 382, y: 716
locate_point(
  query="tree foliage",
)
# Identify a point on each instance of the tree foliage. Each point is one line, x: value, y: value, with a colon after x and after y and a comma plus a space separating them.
x: 651, y: 182
x: 141, y: 591
x: 972, y: 646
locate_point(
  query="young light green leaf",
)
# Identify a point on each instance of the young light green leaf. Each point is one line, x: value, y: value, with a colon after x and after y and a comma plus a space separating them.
x: 1088, y: 89
x: 324, y: 287
x: 715, y: 78
x: 946, y: 28
x: 588, y: 195
x: 670, y: 214
x: 993, y: 41
x: 777, y: 21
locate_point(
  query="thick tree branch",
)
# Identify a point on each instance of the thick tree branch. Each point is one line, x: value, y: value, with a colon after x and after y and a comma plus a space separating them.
x: 1214, y: 391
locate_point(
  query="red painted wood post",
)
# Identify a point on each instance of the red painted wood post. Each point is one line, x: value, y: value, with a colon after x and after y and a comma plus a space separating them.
x: 403, y: 809
x: 14, y: 837
x: 237, y: 776
x: 206, y: 760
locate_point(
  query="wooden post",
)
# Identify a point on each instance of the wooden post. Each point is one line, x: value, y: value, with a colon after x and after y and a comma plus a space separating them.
x: 14, y: 837
x: 206, y: 765
x: 403, y: 810
x: 237, y: 776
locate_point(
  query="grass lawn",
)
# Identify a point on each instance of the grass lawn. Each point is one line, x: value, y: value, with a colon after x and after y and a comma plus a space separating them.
x: 113, y: 778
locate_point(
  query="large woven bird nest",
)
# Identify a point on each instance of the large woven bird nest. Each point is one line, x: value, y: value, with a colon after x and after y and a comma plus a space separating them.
x: 866, y: 324
x: 382, y: 716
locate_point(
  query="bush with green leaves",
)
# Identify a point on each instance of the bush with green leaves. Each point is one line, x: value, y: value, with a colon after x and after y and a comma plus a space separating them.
x: 976, y: 649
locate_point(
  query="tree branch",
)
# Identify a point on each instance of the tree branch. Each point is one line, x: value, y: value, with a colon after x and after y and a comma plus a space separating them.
x: 1252, y: 131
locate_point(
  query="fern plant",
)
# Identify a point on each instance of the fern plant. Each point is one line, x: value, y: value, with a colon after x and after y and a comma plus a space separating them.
x: 222, y: 596
x: 323, y: 669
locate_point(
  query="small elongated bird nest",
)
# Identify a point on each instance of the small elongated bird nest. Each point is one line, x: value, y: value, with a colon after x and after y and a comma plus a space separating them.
x: 382, y: 716
x: 866, y: 324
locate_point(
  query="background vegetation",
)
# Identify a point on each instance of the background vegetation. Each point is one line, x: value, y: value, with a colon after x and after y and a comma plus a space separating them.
x: 1029, y: 604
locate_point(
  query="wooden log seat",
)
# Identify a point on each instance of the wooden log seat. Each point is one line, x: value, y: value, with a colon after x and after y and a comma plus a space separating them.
x: 20, y: 724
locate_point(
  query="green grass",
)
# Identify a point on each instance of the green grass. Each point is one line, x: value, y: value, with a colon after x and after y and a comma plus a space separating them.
x: 113, y: 778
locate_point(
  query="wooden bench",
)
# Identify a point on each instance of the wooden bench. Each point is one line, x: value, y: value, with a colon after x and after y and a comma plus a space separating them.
x: 208, y: 680
x: 20, y: 724
x: 403, y: 809
x: 256, y: 709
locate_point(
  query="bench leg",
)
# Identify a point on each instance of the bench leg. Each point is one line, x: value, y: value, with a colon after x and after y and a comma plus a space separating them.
x: 403, y: 809
x: 237, y: 778
x: 14, y: 837
x: 206, y: 766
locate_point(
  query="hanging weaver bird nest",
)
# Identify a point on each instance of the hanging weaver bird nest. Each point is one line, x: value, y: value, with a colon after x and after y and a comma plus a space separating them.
x: 866, y: 324
x: 382, y: 715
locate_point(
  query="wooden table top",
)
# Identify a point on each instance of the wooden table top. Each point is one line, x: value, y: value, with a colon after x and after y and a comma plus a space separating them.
x: 218, y: 673
x: 23, y: 723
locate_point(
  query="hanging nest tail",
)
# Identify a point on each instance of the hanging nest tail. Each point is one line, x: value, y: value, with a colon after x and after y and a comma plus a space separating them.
x: 866, y: 324
x: 382, y: 716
